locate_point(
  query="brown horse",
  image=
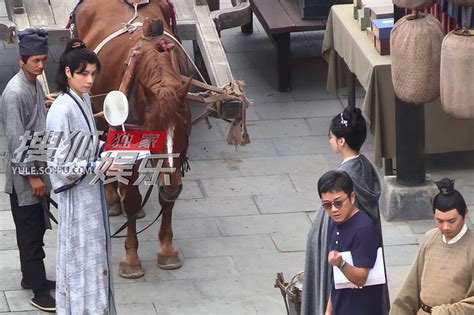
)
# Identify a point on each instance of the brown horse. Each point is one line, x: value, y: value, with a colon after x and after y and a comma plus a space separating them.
x: 157, y: 102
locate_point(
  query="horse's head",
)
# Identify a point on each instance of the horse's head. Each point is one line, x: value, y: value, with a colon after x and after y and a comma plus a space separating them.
x: 160, y: 92
x: 161, y: 95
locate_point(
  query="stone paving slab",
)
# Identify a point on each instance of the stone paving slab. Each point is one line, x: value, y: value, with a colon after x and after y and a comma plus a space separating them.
x: 292, y: 223
x: 6, y: 221
x: 229, y: 167
x: 3, y: 303
x: 137, y: 308
x: 290, y: 242
x: 225, y: 246
x: 302, y: 145
x: 158, y: 293
x: 281, y: 128
x: 295, y: 202
x: 294, y: 164
x: 400, y: 254
x: 398, y: 235
x: 198, y: 269
x: 215, y: 207
x: 250, y: 185
x: 214, y: 306
x: 182, y: 228
x: 396, y: 276
x: 304, y: 109
x: 422, y: 226
x: 258, y: 263
x: 220, y: 150
x: 305, y: 93
x: 267, y: 95
x: 19, y: 300
x: 243, y: 286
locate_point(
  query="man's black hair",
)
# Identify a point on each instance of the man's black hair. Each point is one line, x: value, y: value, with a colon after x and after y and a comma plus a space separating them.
x: 24, y: 58
x: 449, y: 198
x: 76, y: 56
x: 335, y: 181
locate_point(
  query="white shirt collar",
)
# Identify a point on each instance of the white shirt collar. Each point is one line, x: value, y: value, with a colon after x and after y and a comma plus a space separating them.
x: 457, y: 237
x: 350, y: 158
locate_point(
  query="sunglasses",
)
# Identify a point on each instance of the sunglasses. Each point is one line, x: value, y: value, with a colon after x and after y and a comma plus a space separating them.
x: 337, y: 203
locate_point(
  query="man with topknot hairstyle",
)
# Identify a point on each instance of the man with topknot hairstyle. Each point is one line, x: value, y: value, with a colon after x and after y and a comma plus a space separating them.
x: 441, y: 279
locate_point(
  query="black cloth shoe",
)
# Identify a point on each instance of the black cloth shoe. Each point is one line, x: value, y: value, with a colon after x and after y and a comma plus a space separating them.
x: 44, y: 302
x: 48, y: 285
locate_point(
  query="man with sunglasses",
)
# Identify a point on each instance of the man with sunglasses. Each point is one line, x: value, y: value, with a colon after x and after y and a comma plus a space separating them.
x: 351, y: 230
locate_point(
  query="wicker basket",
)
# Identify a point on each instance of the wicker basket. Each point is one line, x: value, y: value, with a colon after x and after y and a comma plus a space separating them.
x: 413, y: 4
x: 463, y: 3
x: 415, y: 44
x: 457, y: 68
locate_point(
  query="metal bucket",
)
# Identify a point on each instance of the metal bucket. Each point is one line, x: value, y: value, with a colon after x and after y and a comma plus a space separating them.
x: 291, y: 292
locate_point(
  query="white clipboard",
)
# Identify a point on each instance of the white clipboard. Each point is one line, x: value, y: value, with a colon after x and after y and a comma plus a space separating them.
x: 376, y: 274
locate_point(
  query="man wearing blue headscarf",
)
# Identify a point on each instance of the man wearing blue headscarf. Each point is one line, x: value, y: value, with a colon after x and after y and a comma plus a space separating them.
x: 23, y: 109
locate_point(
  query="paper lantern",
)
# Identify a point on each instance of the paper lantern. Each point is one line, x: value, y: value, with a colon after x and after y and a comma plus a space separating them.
x: 457, y: 73
x: 415, y: 44
x: 413, y: 4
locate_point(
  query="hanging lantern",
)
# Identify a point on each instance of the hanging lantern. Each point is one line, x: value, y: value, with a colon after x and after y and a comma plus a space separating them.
x: 414, y: 4
x: 457, y: 69
x: 415, y: 44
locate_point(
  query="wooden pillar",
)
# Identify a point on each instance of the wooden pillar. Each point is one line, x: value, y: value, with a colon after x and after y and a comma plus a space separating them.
x: 410, y: 137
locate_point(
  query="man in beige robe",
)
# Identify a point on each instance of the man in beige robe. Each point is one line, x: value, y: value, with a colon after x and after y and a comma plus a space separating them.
x: 440, y: 281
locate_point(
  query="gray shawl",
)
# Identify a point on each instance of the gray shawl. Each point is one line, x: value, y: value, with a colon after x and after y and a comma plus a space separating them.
x: 317, y: 286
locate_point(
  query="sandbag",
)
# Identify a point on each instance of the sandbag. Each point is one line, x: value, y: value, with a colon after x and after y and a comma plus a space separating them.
x: 415, y: 45
x: 415, y: 4
x: 457, y: 73
x: 463, y: 3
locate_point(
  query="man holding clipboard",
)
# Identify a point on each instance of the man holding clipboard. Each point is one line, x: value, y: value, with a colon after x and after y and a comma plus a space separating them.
x: 354, y: 235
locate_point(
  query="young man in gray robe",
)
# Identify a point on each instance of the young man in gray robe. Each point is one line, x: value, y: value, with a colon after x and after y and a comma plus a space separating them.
x: 23, y: 110
x: 83, y: 266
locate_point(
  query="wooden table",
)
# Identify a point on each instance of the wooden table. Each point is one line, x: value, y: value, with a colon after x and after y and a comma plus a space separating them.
x: 279, y: 18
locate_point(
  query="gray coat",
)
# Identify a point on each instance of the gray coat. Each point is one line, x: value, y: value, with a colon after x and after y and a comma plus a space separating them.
x: 317, y: 287
x: 83, y: 268
x: 22, y: 107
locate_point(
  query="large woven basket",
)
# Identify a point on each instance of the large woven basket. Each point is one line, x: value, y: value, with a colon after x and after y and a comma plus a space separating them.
x: 457, y: 73
x: 415, y: 4
x: 463, y: 3
x: 415, y: 45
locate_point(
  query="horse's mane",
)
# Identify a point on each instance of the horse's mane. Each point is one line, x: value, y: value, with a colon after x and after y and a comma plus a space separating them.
x: 156, y: 76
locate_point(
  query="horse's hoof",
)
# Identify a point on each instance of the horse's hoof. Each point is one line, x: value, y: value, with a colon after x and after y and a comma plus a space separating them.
x: 169, y: 262
x: 114, y: 209
x: 130, y: 272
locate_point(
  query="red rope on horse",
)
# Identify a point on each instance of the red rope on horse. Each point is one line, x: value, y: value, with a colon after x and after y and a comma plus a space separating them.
x: 163, y: 46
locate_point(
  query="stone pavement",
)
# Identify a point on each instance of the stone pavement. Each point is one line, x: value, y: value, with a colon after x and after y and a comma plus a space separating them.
x: 244, y: 214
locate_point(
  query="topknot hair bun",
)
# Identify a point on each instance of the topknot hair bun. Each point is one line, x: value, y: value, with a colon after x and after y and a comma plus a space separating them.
x: 445, y: 186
